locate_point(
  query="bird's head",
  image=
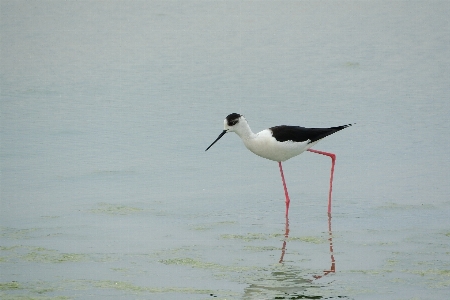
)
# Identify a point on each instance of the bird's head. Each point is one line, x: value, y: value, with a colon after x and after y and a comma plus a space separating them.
x: 232, y: 123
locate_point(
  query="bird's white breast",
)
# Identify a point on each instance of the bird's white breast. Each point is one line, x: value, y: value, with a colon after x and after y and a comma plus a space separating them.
x: 265, y: 145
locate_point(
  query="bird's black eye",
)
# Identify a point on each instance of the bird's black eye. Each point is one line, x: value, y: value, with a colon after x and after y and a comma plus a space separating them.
x: 233, y: 122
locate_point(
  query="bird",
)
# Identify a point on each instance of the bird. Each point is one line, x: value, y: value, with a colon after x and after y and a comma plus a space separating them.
x: 280, y: 143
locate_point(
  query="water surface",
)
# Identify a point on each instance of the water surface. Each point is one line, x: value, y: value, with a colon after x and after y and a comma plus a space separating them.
x: 107, y: 193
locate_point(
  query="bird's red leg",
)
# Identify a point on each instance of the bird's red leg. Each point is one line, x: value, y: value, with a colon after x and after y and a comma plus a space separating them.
x: 285, y: 189
x: 333, y: 160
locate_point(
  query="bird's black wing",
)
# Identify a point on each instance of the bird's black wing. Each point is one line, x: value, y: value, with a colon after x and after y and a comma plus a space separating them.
x: 301, y: 134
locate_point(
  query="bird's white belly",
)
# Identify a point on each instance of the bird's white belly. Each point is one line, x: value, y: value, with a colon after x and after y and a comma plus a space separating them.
x: 268, y: 147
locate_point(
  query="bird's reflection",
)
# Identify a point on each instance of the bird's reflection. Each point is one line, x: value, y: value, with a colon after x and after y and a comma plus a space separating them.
x: 286, y: 236
x: 287, y: 281
x: 283, y: 282
x: 330, y: 240
x: 333, y: 261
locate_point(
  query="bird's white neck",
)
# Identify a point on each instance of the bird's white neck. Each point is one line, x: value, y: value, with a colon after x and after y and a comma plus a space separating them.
x: 244, y: 131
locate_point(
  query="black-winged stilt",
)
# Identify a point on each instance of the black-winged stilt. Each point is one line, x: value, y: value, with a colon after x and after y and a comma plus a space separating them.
x: 280, y: 143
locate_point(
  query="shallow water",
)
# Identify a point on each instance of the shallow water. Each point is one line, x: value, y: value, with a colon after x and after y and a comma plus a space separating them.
x: 107, y: 193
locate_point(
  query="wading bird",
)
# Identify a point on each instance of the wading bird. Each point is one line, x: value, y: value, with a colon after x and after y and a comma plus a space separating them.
x: 280, y: 143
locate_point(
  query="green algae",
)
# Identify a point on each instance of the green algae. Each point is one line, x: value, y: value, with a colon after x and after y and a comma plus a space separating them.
x: 247, y: 238
x: 129, y: 287
x: 261, y: 248
x: 372, y: 272
x: 351, y: 64
x: 26, y: 297
x: 43, y: 255
x: 33, y: 289
x: 393, y: 205
x: 121, y: 270
x: 190, y: 262
x: 308, y: 239
x: 210, y: 226
x: 112, y: 209
x: 13, y: 285
x: 202, y: 227
x: 434, y: 272
x: 261, y: 237
x: 39, y: 255
x: 11, y: 290
x: 15, y: 233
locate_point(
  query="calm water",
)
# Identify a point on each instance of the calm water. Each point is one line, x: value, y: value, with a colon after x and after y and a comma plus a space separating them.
x: 107, y: 108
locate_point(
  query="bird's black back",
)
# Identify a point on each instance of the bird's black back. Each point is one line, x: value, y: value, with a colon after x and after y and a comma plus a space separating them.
x: 284, y: 133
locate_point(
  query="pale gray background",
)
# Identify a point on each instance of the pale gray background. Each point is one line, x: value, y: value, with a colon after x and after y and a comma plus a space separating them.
x: 107, y: 108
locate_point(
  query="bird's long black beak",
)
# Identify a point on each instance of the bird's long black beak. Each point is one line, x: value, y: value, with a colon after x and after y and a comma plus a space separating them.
x: 218, y: 138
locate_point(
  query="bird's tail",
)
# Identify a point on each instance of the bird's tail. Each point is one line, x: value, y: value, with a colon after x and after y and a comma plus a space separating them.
x: 320, y: 133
